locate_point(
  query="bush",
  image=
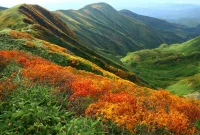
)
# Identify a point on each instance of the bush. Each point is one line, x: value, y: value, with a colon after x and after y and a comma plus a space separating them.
x: 36, y: 110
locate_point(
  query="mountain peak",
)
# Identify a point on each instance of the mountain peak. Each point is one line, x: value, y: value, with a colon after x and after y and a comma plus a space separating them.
x: 100, y: 5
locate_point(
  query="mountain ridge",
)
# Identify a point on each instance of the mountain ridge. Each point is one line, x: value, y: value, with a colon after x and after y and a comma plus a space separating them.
x: 164, y: 27
x: 3, y: 8
x: 52, y: 83
x: 94, y: 19
x: 33, y: 19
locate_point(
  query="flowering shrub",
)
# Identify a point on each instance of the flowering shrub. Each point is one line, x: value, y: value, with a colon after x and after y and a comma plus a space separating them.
x: 115, y: 99
x: 19, y: 35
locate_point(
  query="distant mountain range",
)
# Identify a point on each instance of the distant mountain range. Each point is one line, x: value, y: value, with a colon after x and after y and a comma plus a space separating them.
x: 2, y: 8
x: 185, y: 14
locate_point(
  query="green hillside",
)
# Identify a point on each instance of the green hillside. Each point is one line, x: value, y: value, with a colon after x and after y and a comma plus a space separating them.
x: 177, y: 32
x: 174, y: 67
x: 105, y: 29
x: 53, y: 83
x: 42, y: 24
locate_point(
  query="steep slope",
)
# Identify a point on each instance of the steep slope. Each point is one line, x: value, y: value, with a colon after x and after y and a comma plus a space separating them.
x: 174, y: 67
x: 102, y: 27
x: 47, y: 89
x: 177, y: 32
x: 38, y: 97
x: 44, y: 25
x: 10, y: 39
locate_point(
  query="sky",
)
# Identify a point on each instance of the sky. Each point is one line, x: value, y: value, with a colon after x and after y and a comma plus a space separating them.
x: 77, y: 4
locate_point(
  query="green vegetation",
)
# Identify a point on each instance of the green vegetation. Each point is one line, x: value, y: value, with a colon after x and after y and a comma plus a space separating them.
x: 9, y: 17
x: 172, y: 33
x: 109, y: 32
x: 36, y: 111
x: 51, y: 83
x: 7, y: 42
x: 44, y: 25
x: 174, y: 67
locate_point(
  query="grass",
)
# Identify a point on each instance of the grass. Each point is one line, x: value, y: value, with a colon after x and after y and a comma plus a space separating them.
x: 44, y: 49
x: 44, y: 25
x: 9, y: 17
x: 100, y: 26
x: 36, y: 108
x: 37, y: 111
x: 175, y: 67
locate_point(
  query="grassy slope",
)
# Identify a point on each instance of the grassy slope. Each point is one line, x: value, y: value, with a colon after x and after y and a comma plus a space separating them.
x: 174, y: 67
x: 101, y: 26
x: 172, y: 32
x: 44, y: 25
x: 40, y: 97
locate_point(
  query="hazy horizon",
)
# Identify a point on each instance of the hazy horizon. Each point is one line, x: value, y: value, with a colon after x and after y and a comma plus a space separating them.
x: 77, y: 4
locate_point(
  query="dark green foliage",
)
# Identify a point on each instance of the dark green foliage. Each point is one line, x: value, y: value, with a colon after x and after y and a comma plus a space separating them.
x: 198, y: 124
x: 7, y: 70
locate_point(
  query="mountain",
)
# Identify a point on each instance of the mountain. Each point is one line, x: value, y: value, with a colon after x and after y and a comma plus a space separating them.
x: 50, y: 83
x: 43, y: 24
x: 190, y: 22
x: 165, y: 28
x: 153, y: 22
x: 175, y: 67
x: 3, y: 8
x: 102, y: 27
x: 172, y: 12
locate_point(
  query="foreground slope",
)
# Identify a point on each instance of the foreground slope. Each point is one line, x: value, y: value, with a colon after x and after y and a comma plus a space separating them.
x: 44, y: 25
x: 10, y: 39
x: 174, y: 67
x: 102, y: 27
x: 38, y: 96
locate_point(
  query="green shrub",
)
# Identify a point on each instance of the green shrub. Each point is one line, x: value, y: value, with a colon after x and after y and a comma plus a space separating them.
x: 36, y: 110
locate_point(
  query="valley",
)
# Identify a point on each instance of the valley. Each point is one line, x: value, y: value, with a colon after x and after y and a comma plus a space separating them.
x: 97, y: 70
